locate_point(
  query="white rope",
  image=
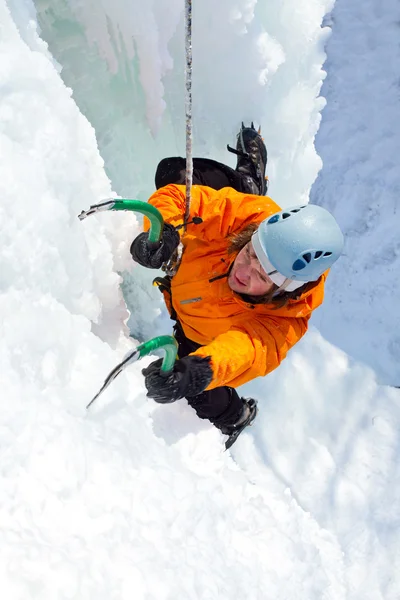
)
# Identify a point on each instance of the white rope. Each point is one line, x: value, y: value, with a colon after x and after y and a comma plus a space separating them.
x: 173, y: 264
x: 188, y: 106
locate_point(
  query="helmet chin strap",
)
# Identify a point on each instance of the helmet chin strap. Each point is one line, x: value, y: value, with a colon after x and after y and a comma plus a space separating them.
x: 289, y: 285
x: 282, y: 287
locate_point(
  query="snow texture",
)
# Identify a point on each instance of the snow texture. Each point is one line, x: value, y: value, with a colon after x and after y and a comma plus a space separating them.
x: 359, y: 142
x: 131, y: 499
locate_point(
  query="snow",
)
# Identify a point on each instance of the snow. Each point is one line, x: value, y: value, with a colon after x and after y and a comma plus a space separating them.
x: 133, y: 499
x: 360, y: 141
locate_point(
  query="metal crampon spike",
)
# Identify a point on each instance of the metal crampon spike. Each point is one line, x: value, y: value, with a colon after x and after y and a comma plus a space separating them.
x: 241, y: 139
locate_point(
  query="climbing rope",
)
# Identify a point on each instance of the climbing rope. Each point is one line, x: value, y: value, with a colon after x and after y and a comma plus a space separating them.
x: 188, y: 106
x: 172, y: 265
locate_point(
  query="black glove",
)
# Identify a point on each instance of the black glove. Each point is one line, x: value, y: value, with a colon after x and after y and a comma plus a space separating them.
x: 154, y: 257
x: 189, y: 377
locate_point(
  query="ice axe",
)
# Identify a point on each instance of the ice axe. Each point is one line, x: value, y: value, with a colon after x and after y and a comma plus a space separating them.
x: 150, y: 211
x: 167, y: 342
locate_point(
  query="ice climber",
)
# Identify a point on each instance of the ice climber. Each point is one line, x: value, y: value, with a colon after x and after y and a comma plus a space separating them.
x: 250, y: 276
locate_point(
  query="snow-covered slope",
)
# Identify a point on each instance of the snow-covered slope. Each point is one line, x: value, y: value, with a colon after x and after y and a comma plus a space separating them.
x: 359, y: 142
x: 139, y: 500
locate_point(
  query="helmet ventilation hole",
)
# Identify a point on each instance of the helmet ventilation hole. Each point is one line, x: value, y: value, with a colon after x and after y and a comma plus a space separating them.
x: 307, y: 257
x: 298, y: 265
x: 327, y: 253
x: 284, y: 215
x: 318, y: 254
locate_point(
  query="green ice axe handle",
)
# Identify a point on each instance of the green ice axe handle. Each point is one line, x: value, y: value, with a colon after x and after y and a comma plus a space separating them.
x: 150, y: 211
x: 168, y: 343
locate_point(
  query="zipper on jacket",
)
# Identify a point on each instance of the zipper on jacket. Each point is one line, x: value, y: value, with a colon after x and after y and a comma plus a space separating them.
x: 218, y: 277
x: 223, y: 275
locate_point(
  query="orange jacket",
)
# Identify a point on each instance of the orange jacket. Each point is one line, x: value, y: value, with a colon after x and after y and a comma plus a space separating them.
x: 244, y: 340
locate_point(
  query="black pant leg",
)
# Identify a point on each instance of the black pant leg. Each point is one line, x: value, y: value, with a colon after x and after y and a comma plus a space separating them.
x: 222, y: 405
x: 205, y: 172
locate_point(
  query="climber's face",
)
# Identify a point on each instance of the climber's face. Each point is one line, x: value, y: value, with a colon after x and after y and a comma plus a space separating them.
x: 247, y: 275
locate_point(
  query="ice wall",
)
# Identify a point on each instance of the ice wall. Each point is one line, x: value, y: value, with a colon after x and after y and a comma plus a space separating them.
x: 125, y: 63
x: 359, y: 142
x: 93, y: 505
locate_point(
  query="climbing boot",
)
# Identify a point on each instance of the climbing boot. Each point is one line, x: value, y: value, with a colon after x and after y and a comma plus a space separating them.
x: 247, y: 417
x: 252, y: 157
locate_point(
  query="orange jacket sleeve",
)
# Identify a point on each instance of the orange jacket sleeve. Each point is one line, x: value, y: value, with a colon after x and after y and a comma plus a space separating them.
x: 252, y: 350
x: 222, y: 212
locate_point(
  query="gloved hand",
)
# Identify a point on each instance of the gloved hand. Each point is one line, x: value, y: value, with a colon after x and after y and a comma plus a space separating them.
x: 189, y: 377
x: 154, y: 257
